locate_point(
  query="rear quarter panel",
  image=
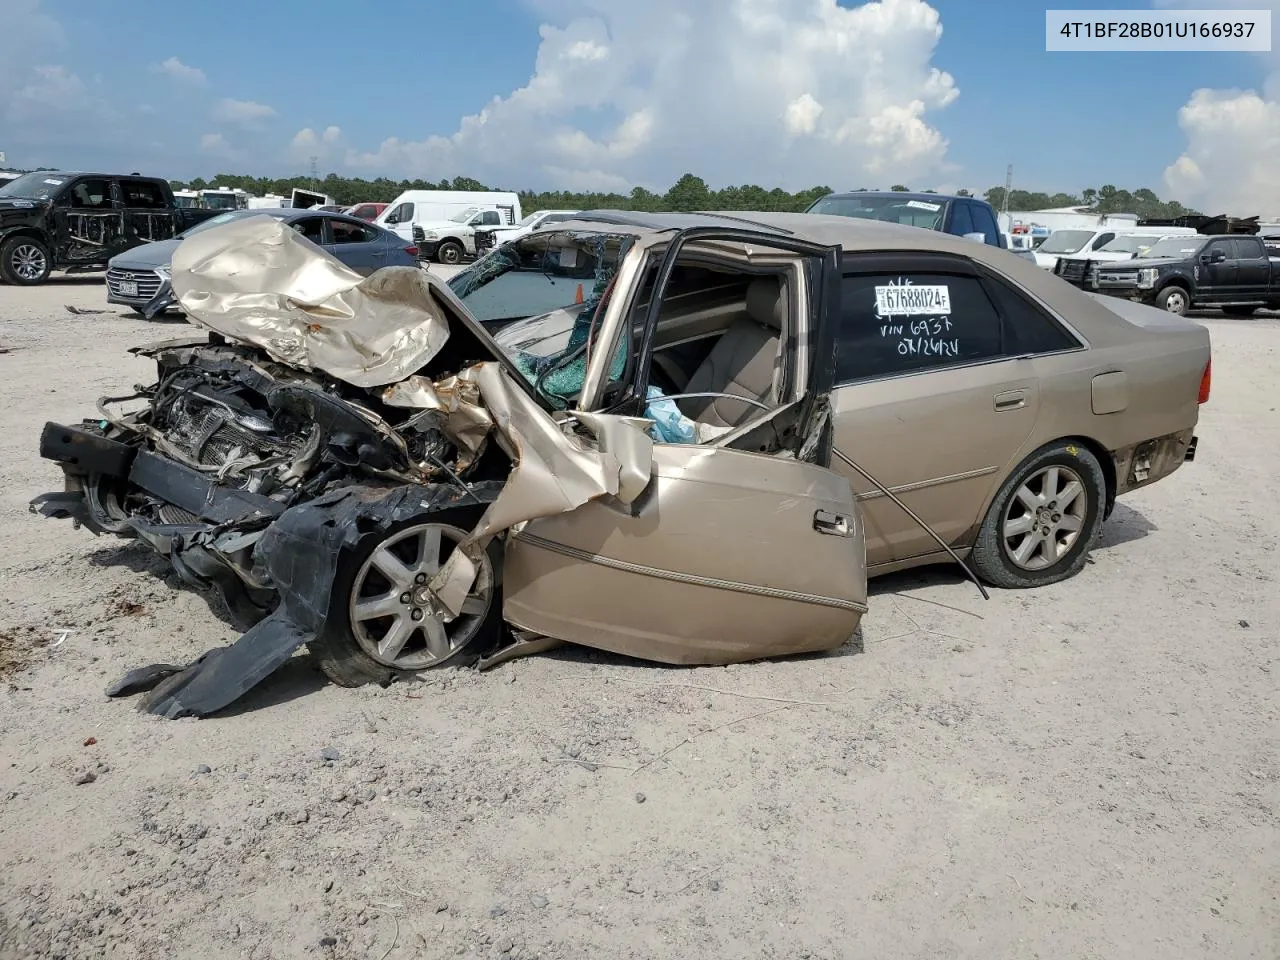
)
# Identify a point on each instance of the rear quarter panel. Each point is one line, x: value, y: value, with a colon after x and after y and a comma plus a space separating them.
x: 1162, y: 359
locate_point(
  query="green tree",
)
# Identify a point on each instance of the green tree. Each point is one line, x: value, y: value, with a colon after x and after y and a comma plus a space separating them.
x: 687, y: 194
x: 899, y: 188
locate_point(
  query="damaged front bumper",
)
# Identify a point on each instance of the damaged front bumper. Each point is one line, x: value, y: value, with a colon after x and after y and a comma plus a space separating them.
x: 209, y: 552
x: 163, y: 300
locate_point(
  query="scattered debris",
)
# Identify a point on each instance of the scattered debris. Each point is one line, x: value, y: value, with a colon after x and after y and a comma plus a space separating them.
x: 204, y: 768
x: 330, y: 754
x: 83, y: 311
x: 87, y: 777
x: 91, y: 741
x: 640, y: 798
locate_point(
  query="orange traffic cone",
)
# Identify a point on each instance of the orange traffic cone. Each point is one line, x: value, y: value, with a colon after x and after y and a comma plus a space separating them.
x: 578, y: 296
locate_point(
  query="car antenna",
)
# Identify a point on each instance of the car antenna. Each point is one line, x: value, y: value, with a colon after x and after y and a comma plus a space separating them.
x: 848, y: 461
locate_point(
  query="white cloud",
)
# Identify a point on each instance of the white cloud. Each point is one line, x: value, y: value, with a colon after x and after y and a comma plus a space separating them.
x: 215, y: 145
x: 1228, y: 166
x: 244, y: 112
x: 50, y: 90
x: 307, y: 143
x: 794, y: 92
x: 181, y: 72
x: 1232, y: 136
x: 801, y: 115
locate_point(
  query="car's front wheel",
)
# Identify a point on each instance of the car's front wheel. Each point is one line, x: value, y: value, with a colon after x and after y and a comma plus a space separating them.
x: 449, y: 252
x: 1174, y: 299
x: 385, y: 621
x: 1044, y: 519
x: 24, y: 261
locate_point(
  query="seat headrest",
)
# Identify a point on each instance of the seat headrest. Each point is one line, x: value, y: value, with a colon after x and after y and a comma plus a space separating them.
x: 766, y: 304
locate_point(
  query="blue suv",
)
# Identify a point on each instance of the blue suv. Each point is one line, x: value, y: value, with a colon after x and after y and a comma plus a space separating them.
x: 962, y: 216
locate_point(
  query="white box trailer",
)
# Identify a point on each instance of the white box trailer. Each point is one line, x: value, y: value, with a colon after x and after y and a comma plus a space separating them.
x: 306, y: 199
x: 423, y: 207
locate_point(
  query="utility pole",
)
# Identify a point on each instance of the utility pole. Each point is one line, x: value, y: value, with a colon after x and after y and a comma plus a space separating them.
x: 315, y: 174
x: 1008, y: 188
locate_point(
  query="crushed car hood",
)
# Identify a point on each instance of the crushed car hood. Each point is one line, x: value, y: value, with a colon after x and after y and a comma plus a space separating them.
x: 259, y: 281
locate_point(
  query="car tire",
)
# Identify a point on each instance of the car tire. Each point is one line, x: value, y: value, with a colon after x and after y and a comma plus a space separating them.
x: 1174, y: 299
x: 349, y: 652
x: 1012, y: 551
x: 1242, y: 311
x: 24, y: 261
x: 449, y: 252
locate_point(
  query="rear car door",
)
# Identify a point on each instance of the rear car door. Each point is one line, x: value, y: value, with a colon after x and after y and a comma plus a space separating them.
x: 728, y: 554
x: 88, y: 222
x: 934, y: 396
x: 1253, y: 269
x: 356, y: 244
x: 148, y: 214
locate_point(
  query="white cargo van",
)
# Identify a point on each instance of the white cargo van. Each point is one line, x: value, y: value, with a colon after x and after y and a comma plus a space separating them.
x: 422, y: 207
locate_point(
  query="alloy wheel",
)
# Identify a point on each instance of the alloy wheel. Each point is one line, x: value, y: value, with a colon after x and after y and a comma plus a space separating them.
x: 28, y: 261
x: 395, y: 618
x: 1045, y: 518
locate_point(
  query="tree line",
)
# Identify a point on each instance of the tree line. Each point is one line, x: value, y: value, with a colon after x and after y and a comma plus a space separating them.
x: 686, y: 194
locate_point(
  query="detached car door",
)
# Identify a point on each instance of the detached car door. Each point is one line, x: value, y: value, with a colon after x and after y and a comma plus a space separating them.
x: 728, y: 554
x: 936, y: 393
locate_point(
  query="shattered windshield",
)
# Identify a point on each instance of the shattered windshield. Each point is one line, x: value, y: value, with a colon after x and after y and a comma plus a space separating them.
x: 1066, y: 241
x: 547, y: 289
x: 1172, y: 247
x: 33, y: 186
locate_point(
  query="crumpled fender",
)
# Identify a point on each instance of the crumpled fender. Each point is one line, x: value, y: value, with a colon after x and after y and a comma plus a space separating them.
x: 300, y: 553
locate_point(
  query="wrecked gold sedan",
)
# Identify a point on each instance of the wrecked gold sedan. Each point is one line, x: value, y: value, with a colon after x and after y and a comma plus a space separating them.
x: 356, y: 466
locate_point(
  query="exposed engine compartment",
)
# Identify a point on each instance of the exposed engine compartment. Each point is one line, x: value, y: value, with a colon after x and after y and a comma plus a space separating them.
x: 250, y: 424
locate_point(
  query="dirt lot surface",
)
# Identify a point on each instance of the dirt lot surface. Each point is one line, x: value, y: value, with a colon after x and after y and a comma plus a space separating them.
x: 1088, y: 770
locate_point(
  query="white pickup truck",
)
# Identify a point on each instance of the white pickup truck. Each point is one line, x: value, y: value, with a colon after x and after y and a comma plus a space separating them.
x: 448, y: 241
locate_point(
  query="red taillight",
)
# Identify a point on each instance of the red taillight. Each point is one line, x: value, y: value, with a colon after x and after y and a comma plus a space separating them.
x: 411, y: 251
x: 1205, y: 380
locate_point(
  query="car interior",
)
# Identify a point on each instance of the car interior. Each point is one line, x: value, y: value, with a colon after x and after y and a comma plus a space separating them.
x: 718, y: 351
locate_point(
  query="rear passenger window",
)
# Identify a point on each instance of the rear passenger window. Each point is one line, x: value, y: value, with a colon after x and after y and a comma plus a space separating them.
x: 961, y: 222
x: 894, y: 324
x: 1028, y: 329
x: 143, y: 194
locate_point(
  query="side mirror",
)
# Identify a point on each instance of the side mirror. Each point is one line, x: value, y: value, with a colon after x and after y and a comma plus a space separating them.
x: 979, y: 237
x: 1216, y: 257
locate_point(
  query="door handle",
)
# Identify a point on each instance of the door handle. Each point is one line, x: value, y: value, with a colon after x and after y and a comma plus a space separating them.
x: 1011, y: 400
x: 833, y: 524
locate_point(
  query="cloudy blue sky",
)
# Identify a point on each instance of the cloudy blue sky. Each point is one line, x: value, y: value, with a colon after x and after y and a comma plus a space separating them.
x: 615, y: 93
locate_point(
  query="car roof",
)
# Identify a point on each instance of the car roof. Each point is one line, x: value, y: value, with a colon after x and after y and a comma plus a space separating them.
x: 901, y: 194
x: 854, y: 235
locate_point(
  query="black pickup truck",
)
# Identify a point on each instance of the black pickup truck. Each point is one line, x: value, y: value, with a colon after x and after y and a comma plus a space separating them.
x: 51, y: 220
x: 1234, y: 273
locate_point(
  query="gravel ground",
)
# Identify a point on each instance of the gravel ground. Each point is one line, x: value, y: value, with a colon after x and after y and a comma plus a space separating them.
x: 1087, y: 770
